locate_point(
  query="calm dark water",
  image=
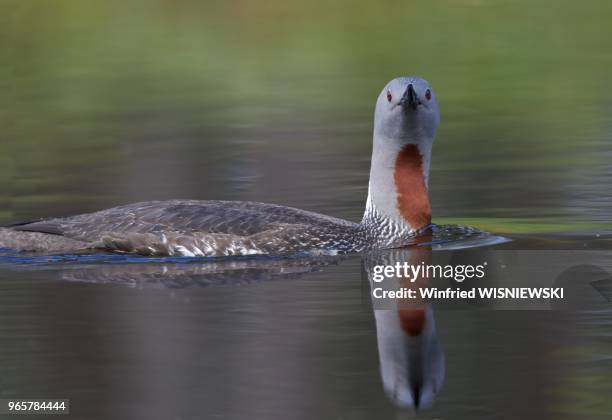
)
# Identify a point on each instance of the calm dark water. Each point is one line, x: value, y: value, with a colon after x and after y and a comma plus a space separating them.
x: 268, y: 339
x: 108, y: 103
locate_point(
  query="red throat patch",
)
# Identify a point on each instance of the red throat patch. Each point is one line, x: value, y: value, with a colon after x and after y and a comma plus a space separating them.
x: 412, y: 321
x: 412, y: 196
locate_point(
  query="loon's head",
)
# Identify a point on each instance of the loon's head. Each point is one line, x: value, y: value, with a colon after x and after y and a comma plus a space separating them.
x: 406, y: 111
x: 405, y: 123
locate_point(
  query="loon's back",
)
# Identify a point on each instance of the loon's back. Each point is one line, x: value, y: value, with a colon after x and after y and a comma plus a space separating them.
x: 190, y: 227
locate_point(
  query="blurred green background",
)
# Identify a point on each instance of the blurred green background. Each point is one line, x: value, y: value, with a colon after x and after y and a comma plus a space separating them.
x: 113, y: 102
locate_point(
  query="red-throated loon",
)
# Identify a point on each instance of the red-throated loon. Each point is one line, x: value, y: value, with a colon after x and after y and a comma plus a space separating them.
x: 405, y: 122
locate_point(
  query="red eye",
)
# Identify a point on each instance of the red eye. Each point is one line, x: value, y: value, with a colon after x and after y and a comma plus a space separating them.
x: 389, y: 97
x: 428, y: 94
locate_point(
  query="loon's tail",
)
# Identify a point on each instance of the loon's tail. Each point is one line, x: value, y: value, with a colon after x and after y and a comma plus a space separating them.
x: 38, y: 242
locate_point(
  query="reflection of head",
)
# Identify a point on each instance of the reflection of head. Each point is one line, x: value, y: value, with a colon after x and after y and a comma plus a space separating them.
x: 411, y: 365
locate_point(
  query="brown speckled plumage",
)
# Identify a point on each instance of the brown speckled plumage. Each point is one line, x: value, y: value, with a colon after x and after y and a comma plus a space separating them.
x: 189, y: 227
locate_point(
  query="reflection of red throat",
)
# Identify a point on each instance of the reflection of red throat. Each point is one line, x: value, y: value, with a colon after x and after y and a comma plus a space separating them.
x: 412, y: 197
x: 412, y: 321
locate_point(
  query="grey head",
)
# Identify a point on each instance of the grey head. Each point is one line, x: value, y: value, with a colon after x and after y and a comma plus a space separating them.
x: 406, y: 110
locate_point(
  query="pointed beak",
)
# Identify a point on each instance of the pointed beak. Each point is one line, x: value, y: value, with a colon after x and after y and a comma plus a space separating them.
x: 410, y: 98
x: 416, y: 393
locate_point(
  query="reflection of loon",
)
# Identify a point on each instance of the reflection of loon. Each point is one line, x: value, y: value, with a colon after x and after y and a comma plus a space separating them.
x: 412, y: 363
x: 405, y: 122
x: 224, y: 272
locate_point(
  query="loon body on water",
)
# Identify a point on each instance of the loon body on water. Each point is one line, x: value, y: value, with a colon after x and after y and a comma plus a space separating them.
x: 397, y: 207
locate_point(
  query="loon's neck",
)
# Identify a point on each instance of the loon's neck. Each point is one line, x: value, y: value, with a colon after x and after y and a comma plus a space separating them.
x: 398, y: 199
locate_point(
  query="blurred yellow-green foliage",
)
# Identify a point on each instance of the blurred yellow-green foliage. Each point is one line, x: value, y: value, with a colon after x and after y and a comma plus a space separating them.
x: 524, y: 88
